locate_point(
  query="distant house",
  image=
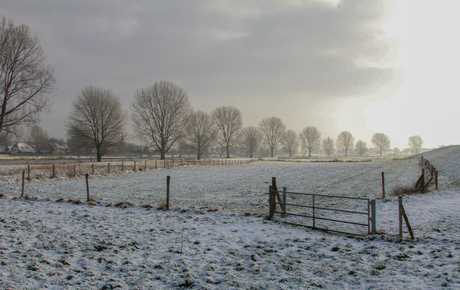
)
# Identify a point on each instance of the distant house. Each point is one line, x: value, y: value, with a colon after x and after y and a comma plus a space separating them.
x: 21, y: 148
x: 54, y: 148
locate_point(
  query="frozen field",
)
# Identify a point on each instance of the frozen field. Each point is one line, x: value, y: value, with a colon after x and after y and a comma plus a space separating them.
x: 61, y: 245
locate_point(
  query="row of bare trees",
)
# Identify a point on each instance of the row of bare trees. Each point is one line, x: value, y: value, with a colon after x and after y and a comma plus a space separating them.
x: 162, y: 117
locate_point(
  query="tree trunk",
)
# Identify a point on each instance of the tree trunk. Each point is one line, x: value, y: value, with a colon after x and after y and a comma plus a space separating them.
x: 271, y: 152
x: 162, y: 154
x: 228, y: 151
x: 98, y: 154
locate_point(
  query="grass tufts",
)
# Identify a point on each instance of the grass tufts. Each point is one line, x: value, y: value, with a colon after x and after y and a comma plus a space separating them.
x: 403, y: 190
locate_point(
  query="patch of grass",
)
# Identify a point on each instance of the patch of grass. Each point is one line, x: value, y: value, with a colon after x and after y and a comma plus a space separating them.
x: 161, y: 205
x: 403, y: 190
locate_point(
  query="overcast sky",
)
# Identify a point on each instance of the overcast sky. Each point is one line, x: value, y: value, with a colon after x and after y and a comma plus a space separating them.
x: 364, y: 66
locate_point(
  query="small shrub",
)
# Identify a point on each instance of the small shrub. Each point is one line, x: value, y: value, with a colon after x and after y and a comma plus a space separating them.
x: 403, y: 190
x: 162, y: 205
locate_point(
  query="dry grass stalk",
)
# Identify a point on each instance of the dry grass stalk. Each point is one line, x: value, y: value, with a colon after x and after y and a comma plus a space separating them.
x: 403, y: 190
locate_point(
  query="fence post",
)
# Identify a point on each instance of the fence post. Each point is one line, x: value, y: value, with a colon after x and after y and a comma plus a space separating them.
x: 145, y: 165
x: 92, y: 166
x: 168, y: 181
x: 400, y: 216
x: 373, y: 217
x: 270, y: 202
x: 23, y: 174
x: 313, y: 211
x: 284, y: 200
x: 54, y: 171
x: 436, y: 178
x: 422, y: 185
x: 134, y: 169
x: 87, y: 186
x: 383, y: 185
x: 122, y: 166
x: 28, y: 172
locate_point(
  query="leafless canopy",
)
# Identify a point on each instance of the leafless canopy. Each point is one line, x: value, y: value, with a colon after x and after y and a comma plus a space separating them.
x: 160, y: 114
x: 345, y: 141
x: 290, y: 142
x: 311, y: 139
x: 381, y: 142
x: 201, y: 133
x: 328, y: 146
x: 96, y: 120
x: 250, y: 140
x: 24, y: 78
x: 38, y: 137
x: 272, y: 131
x: 361, y: 147
x: 416, y: 143
x: 229, y: 122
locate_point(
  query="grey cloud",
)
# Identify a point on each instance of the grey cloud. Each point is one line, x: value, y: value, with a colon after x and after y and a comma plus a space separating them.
x: 226, y: 49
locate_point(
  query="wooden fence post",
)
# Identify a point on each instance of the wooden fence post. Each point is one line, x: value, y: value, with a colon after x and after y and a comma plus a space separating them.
x: 436, y: 178
x: 108, y: 168
x: 400, y: 216
x: 168, y: 182
x: 23, y: 175
x: 122, y: 166
x: 28, y: 172
x: 422, y: 185
x: 54, y: 171
x: 74, y: 170
x: 383, y: 185
x: 145, y: 165
x: 284, y: 200
x: 156, y: 165
x: 270, y: 202
x: 92, y: 166
x: 87, y: 186
x: 134, y: 169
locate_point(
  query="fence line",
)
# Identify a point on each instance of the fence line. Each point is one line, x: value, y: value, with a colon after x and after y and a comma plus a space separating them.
x: 48, y: 170
x: 421, y: 185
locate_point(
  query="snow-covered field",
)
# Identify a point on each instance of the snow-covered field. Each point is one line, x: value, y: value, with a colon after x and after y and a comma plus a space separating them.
x: 62, y: 245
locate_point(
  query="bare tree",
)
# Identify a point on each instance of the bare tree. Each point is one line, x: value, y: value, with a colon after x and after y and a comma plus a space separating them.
x: 361, y: 147
x: 345, y: 141
x: 160, y: 114
x: 250, y: 140
x: 229, y: 123
x: 381, y: 142
x: 25, y: 80
x: 328, y: 146
x: 290, y: 142
x: 201, y: 133
x: 272, y: 132
x: 416, y: 143
x: 96, y: 120
x: 38, y: 138
x: 311, y: 139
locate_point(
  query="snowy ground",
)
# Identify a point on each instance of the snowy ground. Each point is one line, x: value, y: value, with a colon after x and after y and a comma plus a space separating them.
x: 61, y: 245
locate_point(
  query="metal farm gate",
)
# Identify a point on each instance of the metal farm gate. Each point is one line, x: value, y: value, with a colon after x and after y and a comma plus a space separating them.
x: 341, y: 214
